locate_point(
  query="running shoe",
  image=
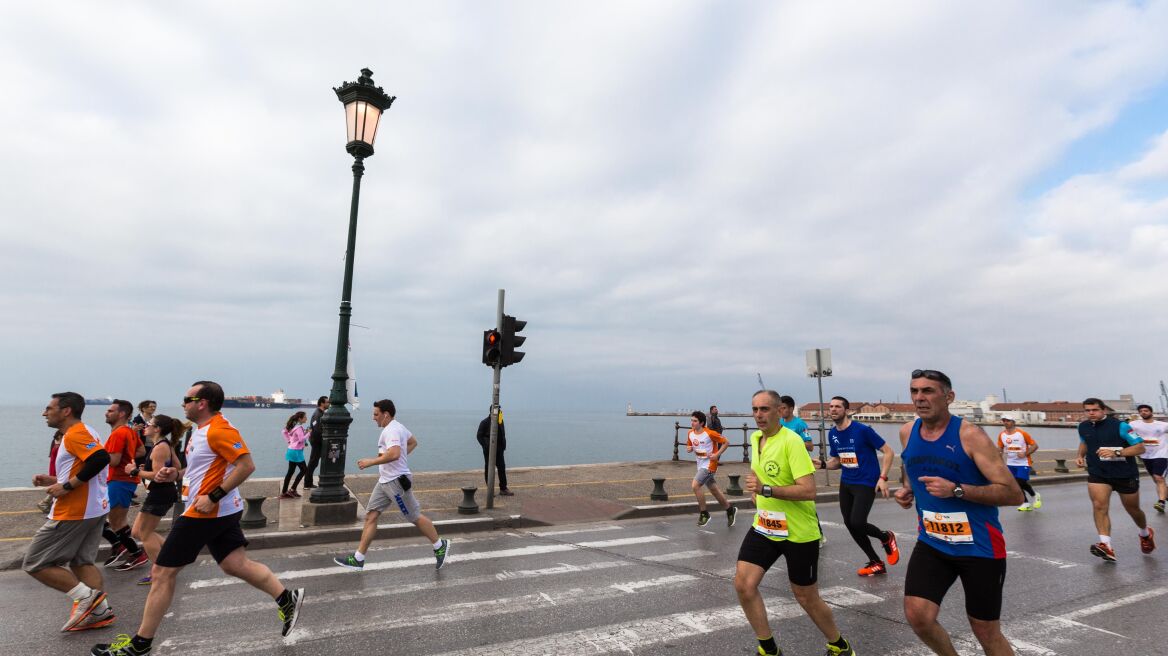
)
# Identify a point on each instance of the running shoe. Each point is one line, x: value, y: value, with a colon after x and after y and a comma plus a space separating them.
x: 96, y: 620
x: 1037, y: 501
x: 133, y: 562
x: 291, y: 611
x: 117, y: 555
x: 767, y: 653
x: 890, y: 548
x: 731, y: 515
x: 441, y: 553
x: 294, y: 493
x: 872, y: 569
x: 1159, y: 506
x: 1024, y: 507
x: 286, y: 495
x: 81, y: 609
x: 1105, y: 551
x: 703, y: 518
x: 145, y: 580
x: 506, y: 492
x: 123, y: 645
x: 832, y: 650
x: 350, y: 562
x: 1148, y: 544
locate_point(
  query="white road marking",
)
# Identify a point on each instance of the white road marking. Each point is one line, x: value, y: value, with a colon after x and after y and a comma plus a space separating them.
x: 533, y: 550
x: 652, y: 583
x: 1122, y: 601
x: 679, y: 555
x: 1061, y: 564
x: 574, y: 531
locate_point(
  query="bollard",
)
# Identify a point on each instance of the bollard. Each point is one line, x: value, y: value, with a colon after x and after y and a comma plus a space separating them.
x: 734, y: 489
x: 468, y: 506
x: 253, y: 515
x: 1060, y: 466
x: 658, y: 493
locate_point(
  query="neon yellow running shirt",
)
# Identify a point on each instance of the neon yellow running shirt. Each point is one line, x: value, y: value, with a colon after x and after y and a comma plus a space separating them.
x: 783, y: 459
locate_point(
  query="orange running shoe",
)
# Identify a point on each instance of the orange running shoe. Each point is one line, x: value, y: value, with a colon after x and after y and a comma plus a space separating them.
x: 1148, y: 544
x: 890, y: 548
x: 1105, y: 551
x: 872, y: 569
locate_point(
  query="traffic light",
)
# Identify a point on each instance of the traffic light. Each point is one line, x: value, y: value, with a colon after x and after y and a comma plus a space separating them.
x: 491, y: 348
x: 512, y: 339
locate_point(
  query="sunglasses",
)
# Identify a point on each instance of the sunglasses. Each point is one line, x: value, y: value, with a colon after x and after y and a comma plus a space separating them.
x: 933, y: 374
x: 190, y: 399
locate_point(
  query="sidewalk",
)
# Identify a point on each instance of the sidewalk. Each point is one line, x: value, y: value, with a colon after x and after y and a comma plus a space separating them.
x: 543, y: 496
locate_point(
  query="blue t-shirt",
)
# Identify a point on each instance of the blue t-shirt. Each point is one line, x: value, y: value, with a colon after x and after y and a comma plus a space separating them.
x: 798, y: 426
x: 856, y: 446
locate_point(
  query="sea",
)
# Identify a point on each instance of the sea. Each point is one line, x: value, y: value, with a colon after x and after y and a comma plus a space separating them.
x: 446, y: 438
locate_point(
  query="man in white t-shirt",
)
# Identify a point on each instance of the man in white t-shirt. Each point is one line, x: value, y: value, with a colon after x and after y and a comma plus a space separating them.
x: 393, y: 487
x: 1155, y: 453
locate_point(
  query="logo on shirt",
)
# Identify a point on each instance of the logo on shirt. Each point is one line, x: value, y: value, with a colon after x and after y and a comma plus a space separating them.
x: 238, y: 445
x: 951, y: 448
x: 771, y: 469
x: 91, y: 445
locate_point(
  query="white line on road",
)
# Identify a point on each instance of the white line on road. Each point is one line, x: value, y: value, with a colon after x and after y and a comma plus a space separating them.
x: 533, y: 550
x: 573, y: 531
x: 1061, y: 564
x: 679, y: 555
x: 653, y: 583
x: 1122, y: 601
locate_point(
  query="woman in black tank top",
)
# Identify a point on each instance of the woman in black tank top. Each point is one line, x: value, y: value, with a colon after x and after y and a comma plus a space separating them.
x: 166, y: 433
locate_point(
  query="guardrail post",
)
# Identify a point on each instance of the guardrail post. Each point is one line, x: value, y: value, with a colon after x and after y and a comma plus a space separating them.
x: 676, y: 427
x: 734, y: 489
x: 253, y: 514
x: 1060, y: 466
x: 745, y: 443
x: 468, y: 505
x: 658, y: 493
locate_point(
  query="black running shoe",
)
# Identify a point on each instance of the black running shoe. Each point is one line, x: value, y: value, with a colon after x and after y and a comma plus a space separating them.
x: 123, y: 645
x: 290, y: 611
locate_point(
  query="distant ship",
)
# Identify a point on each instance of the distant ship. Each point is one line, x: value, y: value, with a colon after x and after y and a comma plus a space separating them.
x: 277, y: 400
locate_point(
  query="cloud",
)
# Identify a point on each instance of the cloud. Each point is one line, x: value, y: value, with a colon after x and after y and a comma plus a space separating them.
x: 676, y: 196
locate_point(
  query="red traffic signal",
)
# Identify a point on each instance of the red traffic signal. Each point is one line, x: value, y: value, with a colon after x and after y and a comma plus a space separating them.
x: 491, y: 347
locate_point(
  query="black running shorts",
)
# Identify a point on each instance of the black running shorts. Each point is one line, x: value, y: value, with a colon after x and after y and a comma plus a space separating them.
x: 802, y: 557
x: 188, y: 536
x: 931, y: 573
x: 1121, y: 485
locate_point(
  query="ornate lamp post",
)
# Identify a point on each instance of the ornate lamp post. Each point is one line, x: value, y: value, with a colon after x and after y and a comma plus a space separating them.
x: 364, y: 104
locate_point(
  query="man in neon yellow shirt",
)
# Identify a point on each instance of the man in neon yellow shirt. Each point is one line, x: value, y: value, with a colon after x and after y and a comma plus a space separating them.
x: 783, y: 488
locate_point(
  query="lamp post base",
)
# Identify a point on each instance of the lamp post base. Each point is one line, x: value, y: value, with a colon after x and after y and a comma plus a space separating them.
x: 329, y: 514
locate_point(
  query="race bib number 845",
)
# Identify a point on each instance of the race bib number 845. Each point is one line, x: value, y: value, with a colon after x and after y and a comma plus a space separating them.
x: 772, y: 523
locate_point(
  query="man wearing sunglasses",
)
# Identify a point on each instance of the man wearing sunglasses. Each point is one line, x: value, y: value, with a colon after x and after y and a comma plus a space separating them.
x: 218, y: 462
x: 954, y: 473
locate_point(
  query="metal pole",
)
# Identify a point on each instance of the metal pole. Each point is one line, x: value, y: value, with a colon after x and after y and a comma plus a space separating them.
x: 494, y: 414
x: 336, y: 420
x: 822, y: 429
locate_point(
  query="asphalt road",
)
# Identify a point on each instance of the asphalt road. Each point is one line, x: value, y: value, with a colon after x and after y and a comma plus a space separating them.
x: 659, y: 586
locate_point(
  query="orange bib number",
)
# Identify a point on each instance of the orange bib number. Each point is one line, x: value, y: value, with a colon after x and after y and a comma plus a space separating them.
x: 848, y: 459
x: 772, y: 523
x: 949, y: 527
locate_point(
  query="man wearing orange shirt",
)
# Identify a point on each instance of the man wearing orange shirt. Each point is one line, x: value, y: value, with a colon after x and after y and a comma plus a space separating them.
x: 63, y: 551
x: 218, y: 462
x: 123, y: 446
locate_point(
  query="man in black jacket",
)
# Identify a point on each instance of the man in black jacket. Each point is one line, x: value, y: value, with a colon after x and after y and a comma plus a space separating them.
x: 484, y: 438
x: 314, y: 440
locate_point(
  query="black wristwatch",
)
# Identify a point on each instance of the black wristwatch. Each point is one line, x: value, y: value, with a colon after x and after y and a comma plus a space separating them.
x: 766, y: 491
x: 67, y: 485
x: 958, y: 492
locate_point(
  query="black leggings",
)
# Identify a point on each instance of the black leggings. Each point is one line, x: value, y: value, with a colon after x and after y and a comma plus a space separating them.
x: 293, y: 466
x: 1026, y: 489
x: 855, y: 504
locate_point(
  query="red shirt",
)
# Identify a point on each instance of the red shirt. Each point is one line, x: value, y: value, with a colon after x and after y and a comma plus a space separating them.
x: 124, y: 441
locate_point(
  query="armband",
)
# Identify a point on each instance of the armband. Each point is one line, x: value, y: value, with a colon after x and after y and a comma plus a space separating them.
x: 217, y: 494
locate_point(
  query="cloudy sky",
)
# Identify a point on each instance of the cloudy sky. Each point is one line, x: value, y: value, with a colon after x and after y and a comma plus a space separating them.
x: 677, y: 196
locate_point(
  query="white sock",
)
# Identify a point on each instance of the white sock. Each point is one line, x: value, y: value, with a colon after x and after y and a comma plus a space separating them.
x: 359, y: 556
x: 438, y: 544
x: 1144, y: 532
x: 1105, y: 539
x: 79, y: 592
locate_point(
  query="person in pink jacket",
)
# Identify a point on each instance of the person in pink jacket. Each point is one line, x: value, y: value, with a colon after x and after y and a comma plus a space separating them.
x: 295, y: 436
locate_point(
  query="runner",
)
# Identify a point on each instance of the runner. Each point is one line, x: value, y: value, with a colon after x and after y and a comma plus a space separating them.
x: 957, y: 478
x: 123, y: 447
x: 1107, y: 448
x: 1155, y: 453
x: 63, y: 551
x: 164, y: 433
x: 853, y: 447
x: 707, y: 445
x: 781, y: 482
x: 393, y: 488
x: 1017, y: 446
x: 218, y: 461
x: 789, y: 421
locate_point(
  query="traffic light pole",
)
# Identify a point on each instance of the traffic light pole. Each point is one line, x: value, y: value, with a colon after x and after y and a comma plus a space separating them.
x: 498, y: 369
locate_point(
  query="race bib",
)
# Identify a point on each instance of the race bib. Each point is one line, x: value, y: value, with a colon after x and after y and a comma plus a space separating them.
x: 772, y: 523
x: 700, y: 454
x: 848, y: 459
x: 1112, y: 458
x: 949, y: 527
x: 1014, y: 449
x: 1152, y: 441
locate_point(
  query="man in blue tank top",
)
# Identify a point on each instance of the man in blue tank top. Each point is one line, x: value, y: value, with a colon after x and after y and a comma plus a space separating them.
x: 954, y: 473
x: 1107, y: 448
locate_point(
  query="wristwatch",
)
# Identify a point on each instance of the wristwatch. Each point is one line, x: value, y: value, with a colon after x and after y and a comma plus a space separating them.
x: 1117, y: 452
x: 67, y: 485
x: 958, y: 492
x: 766, y: 491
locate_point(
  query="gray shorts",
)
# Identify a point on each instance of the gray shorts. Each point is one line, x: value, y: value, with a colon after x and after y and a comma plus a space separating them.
x: 391, y: 494
x: 62, y: 542
x: 705, y: 477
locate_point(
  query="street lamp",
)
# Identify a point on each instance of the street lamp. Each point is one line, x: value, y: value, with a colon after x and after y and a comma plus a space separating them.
x: 364, y: 104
